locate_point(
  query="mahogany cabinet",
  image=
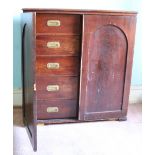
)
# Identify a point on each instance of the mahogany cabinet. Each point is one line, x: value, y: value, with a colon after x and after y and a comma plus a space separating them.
x: 76, y: 66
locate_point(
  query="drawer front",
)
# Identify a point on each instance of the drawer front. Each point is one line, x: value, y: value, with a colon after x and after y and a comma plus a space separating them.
x: 56, y: 87
x: 46, y: 65
x: 58, y: 45
x: 56, y: 109
x: 56, y: 23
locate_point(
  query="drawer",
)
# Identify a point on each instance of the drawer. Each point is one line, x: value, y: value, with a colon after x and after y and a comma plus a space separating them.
x: 48, y: 65
x: 56, y: 87
x: 57, y: 23
x: 56, y: 109
x: 58, y: 45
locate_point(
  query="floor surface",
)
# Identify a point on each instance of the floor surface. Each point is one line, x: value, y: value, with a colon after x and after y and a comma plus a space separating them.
x: 96, y: 138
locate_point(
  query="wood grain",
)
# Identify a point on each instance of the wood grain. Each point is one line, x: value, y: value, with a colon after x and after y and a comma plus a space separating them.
x: 69, y: 66
x: 95, y: 64
x: 70, y: 24
x: 69, y: 45
x: 68, y: 87
x: 28, y: 69
x: 105, y: 55
x: 67, y: 109
x: 82, y: 12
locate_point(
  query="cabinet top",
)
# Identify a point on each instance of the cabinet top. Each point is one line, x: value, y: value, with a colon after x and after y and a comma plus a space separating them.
x: 77, y: 11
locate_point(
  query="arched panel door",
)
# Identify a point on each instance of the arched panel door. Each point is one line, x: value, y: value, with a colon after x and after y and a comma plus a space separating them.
x: 105, y: 55
x: 107, y: 52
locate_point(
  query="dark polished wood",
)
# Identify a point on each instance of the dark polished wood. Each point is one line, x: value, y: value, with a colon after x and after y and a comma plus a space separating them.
x: 69, y: 24
x: 69, y: 45
x: 106, y: 46
x: 77, y: 11
x: 28, y: 66
x: 67, y: 65
x: 68, y: 87
x: 66, y: 109
x: 93, y: 63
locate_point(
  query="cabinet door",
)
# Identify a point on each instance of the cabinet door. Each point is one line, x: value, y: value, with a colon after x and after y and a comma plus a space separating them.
x: 28, y: 76
x: 106, y: 66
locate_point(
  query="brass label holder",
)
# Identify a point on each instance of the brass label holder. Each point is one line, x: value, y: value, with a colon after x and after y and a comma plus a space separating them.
x: 52, y: 88
x: 53, y: 65
x: 52, y: 109
x: 53, y: 44
x: 53, y: 23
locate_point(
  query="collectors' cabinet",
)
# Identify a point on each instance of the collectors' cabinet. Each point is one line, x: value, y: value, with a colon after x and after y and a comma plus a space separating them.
x: 76, y: 66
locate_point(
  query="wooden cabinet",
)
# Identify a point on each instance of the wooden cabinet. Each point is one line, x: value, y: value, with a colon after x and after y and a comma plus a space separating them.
x: 76, y: 66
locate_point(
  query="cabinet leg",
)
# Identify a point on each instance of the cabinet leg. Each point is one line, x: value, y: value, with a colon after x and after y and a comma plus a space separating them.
x: 24, y: 122
x: 122, y: 118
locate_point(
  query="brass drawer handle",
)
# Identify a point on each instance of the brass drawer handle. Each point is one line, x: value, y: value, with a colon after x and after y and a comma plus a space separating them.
x: 53, y: 44
x: 52, y: 109
x: 52, y: 88
x: 53, y: 23
x: 53, y: 65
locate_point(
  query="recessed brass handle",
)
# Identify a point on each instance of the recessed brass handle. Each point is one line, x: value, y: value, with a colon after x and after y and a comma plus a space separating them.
x: 52, y: 88
x: 53, y: 65
x: 53, y: 44
x: 52, y: 109
x: 53, y: 23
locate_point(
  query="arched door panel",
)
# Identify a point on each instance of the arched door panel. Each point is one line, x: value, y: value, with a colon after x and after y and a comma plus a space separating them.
x: 104, y: 67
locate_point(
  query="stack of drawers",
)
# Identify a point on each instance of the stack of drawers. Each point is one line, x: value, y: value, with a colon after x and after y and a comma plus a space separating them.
x: 57, y: 65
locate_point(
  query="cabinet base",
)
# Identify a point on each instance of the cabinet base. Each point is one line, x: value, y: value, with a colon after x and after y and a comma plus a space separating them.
x: 63, y: 121
x: 122, y: 118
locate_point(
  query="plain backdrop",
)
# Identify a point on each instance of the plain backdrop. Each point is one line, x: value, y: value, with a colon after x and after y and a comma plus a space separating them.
x: 9, y: 8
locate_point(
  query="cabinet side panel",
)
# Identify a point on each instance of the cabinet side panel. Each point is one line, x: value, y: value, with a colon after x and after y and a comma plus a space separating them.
x: 28, y: 70
x: 131, y: 39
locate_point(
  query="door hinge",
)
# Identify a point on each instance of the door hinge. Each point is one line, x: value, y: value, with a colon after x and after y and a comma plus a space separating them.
x: 40, y: 124
x: 34, y: 87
